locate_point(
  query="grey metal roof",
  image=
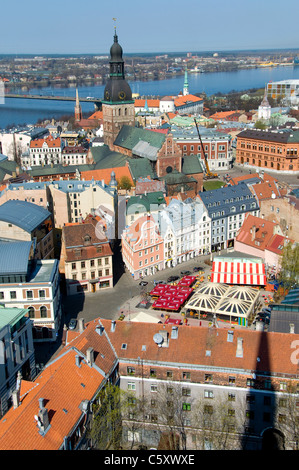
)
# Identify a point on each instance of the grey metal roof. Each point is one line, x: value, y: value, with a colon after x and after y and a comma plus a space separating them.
x: 144, y: 149
x: 24, y: 214
x: 14, y: 257
x: 219, y: 202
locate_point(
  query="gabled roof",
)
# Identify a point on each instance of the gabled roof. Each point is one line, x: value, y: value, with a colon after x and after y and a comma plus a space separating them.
x: 185, y: 99
x: 129, y: 137
x: 25, y: 215
x: 192, y: 165
x: 140, y: 103
x: 105, y: 174
x: 50, y: 141
x: 64, y: 387
x: 256, y: 232
x: 140, y: 167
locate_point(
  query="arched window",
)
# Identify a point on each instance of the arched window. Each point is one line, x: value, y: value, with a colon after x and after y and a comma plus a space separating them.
x: 31, y: 312
x: 43, y: 312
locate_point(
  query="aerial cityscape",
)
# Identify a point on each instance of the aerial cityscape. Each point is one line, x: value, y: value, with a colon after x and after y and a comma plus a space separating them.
x: 149, y: 241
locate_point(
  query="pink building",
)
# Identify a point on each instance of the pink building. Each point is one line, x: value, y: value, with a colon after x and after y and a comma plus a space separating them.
x: 143, y: 247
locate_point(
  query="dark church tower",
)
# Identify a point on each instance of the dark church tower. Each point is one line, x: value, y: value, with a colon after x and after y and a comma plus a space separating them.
x: 118, y: 105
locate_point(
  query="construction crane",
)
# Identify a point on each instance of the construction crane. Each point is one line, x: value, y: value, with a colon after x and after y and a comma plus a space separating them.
x: 209, y: 174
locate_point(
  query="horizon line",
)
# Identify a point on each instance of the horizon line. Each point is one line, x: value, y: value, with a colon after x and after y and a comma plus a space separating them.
x: 207, y: 51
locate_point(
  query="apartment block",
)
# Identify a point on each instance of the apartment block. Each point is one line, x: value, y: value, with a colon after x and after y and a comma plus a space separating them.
x: 33, y: 285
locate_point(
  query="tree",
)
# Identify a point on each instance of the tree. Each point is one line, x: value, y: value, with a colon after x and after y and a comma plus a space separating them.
x: 289, y: 272
x: 125, y: 183
x: 106, y: 430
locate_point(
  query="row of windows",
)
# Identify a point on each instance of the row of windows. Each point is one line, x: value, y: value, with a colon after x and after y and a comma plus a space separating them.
x: 83, y: 276
x: 208, y: 378
x: 29, y: 294
x: 91, y: 263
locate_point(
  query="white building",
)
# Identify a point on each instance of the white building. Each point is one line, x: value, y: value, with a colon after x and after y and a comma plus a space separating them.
x: 185, y: 227
x: 42, y: 152
x: 33, y: 285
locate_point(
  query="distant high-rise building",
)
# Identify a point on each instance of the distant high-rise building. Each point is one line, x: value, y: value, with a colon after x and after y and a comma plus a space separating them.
x: 118, y: 105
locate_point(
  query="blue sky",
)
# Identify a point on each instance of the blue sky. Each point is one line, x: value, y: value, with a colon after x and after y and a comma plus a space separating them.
x: 73, y: 26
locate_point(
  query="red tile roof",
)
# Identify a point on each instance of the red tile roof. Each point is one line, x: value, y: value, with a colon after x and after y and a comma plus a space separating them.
x: 105, y: 174
x: 50, y: 141
x: 182, y: 100
x: 140, y: 103
x: 63, y: 385
x: 266, y: 190
x: 256, y: 232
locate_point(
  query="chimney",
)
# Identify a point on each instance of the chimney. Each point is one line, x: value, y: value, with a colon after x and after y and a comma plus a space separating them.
x: 16, y: 398
x: 113, y: 325
x: 78, y: 360
x: 239, y: 352
x: 81, y: 325
x: 90, y: 356
x: 292, y: 328
x: 42, y: 418
x: 174, y: 332
x: 253, y: 230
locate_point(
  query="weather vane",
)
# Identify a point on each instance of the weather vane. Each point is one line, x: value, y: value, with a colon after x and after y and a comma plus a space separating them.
x: 114, y: 19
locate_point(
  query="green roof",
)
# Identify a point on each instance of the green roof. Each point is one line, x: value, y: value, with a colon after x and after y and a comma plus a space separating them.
x: 140, y: 167
x: 7, y: 167
x: 11, y: 316
x: 192, y: 165
x: 175, y: 177
x: 147, y: 200
x: 129, y: 137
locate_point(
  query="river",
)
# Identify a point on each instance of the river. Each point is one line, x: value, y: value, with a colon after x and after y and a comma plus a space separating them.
x: 22, y: 111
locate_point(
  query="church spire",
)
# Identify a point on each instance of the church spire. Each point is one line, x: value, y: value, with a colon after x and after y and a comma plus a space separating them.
x: 78, y: 110
x: 186, y: 85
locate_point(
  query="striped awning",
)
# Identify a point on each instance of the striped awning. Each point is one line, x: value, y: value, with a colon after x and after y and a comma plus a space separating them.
x: 241, y: 273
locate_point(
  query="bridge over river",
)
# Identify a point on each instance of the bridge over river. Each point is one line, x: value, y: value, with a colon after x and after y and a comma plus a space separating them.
x: 97, y: 101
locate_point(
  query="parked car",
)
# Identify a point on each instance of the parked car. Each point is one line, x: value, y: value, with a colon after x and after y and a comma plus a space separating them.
x: 198, y: 268
x: 159, y: 282
x: 72, y: 324
x: 143, y: 283
x: 185, y: 273
x: 263, y: 315
x: 173, y: 278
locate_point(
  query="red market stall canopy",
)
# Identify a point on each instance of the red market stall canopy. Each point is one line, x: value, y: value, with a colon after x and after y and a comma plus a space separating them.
x: 170, y: 297
x: 187, y: 281
x: 250, y: 273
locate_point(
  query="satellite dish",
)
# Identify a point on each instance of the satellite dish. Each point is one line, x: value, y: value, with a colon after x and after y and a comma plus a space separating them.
x: 158, y: 339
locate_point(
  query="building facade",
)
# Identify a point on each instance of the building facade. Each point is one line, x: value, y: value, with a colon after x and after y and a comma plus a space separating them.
x: 19, y: 361
x: 143, y: 247
x: 273, y: 150
x: 216, y: 147
x: 23, y: 220
x: 86, y: 258
x: 43, y: 152
x: 227, y: 208
x: 33, y: 285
